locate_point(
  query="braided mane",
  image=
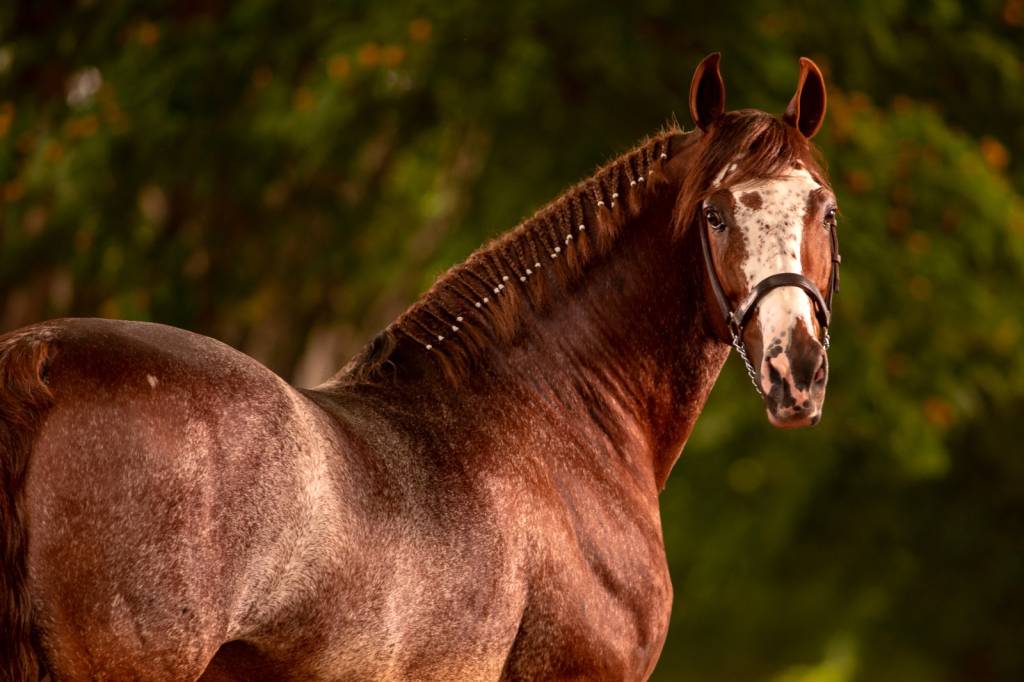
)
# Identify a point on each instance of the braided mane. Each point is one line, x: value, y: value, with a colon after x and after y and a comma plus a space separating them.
x: 484, y: 299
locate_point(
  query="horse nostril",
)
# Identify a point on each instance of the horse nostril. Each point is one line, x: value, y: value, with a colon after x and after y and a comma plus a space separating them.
x: 822, y: 372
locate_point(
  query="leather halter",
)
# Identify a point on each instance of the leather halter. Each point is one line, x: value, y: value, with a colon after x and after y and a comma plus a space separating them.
x: 736, y: 319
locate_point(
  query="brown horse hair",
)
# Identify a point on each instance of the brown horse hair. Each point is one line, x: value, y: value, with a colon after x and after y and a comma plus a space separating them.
x: 483, y: 301
x: 23, y: 402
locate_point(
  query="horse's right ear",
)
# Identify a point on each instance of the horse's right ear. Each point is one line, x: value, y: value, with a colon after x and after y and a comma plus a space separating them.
x: 707, y: 92
x: 806, y: 111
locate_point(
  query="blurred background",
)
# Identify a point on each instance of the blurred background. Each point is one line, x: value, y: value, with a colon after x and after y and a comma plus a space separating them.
x: 288, y: 176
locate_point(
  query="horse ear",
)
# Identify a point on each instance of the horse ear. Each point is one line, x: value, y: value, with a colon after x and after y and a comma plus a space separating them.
x: 707, y: 92
x: 806, y: 111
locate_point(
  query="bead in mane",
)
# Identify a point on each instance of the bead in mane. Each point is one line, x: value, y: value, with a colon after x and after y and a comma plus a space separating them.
x: 483, y: 301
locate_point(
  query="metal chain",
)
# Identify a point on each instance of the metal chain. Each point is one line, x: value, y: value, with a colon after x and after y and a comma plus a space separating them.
x: 738, y: 344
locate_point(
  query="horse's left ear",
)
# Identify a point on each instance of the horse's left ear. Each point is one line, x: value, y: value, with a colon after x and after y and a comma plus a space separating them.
x: 806, y: 111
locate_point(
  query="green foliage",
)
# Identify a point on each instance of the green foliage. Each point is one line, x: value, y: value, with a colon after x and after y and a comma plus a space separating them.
x: 288, y: 176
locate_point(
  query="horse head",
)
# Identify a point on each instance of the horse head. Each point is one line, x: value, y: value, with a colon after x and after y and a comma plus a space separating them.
x: 766, y: 216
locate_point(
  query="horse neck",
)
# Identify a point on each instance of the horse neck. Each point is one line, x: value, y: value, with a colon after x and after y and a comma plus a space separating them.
x: 621, y: 360
x: 627, y: 352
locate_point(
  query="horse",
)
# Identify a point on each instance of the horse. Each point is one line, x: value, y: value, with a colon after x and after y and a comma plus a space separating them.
x: 474, y: 496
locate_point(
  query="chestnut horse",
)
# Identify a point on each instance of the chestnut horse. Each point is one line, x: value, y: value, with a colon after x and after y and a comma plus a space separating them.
x: 475, y: 495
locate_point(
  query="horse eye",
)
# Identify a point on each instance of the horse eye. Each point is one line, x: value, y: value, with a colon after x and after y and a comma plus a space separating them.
x: 713, y: 219
x: 830, y: 218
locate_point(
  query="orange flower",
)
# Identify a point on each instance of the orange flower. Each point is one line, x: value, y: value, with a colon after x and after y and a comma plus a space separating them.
x: 338, y: 67
x: 393, y: 55
x: 304, y: 99
x: 995, y: 153
x: 369, y: 54
x: 6, y: 117
x: 147, y: 33
x: 938, y: 411
x: 420, y: 30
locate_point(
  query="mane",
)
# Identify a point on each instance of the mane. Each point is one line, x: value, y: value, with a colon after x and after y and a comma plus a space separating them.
x: 484, y: 300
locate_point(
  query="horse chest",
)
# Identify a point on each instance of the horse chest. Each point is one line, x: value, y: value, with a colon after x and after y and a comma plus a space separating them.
x: 599, y: 597
x: 592, y: 632
x: 559, y: 597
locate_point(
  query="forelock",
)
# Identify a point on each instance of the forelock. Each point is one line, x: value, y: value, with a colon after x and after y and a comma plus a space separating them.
x: 743, y: 146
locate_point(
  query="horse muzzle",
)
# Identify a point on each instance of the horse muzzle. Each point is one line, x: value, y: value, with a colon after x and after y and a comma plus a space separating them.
x: 793, y: 382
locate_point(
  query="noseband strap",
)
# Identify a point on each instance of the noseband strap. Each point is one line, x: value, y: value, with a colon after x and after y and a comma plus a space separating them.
x: 736, y: 320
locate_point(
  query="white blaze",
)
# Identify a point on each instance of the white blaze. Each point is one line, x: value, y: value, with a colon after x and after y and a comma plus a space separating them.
x: 772, y: 235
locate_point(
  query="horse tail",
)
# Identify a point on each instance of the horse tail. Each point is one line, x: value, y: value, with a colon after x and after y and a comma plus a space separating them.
x: 24, y: 400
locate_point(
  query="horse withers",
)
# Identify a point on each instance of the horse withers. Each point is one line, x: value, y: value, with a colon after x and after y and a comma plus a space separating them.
x: 475, y: 495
